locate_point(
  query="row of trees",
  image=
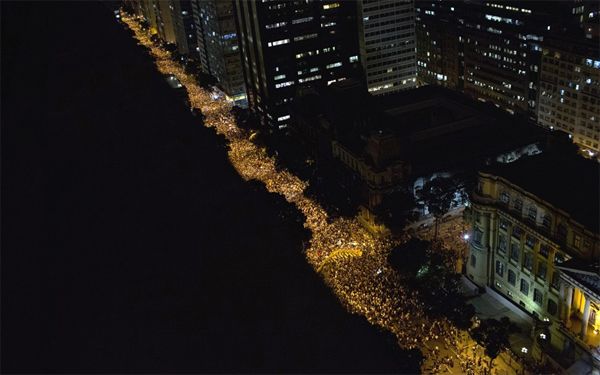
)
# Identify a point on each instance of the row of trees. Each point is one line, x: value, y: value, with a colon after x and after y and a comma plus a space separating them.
x: 426, y: 270
x: 423, y: 267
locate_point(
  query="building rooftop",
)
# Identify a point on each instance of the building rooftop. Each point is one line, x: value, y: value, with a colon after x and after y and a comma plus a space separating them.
x: 561, y: 178
x: 585, y: 273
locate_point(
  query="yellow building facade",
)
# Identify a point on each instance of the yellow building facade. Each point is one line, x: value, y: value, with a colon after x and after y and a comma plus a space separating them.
x: 539, y: 257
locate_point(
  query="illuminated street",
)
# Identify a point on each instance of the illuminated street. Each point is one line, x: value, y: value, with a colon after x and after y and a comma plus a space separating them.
x: 351, y: 261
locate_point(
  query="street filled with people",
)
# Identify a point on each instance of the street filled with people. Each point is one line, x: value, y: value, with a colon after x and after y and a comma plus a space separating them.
x: 358, y: 273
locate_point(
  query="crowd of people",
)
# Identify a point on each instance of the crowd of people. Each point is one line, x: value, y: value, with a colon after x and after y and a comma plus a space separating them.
x: 362, y: 280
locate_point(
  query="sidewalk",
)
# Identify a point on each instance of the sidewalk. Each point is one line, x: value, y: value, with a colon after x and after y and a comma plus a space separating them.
x: 489, y: 307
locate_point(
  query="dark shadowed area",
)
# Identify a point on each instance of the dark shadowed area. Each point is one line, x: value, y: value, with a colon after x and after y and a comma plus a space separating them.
x: 128, y: 241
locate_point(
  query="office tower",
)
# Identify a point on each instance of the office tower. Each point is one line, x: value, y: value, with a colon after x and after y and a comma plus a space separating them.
x: 499, y: 47
x: 569, y: 95
x: 218, y: 47
x: 171, y: 20
x: 288, y: 45
x: 387, y: 44
x: 439, y: 48
x: 502, y: 49
x: 164, y: 15
x: 184, y: 28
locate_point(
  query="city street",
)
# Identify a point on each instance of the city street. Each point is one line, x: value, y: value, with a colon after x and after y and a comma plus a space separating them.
x: 362, y: 280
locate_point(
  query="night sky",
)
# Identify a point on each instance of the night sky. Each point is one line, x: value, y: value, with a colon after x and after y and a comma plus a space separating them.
x: 128, y: 241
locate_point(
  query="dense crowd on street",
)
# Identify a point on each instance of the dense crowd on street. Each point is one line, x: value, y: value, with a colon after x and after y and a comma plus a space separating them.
x: 364, y: 283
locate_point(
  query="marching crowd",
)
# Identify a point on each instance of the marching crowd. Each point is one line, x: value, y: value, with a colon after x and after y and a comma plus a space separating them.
x: 364, y: 283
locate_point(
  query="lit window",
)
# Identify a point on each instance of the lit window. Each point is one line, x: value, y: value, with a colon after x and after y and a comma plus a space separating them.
x: 275, y: 25
x: 334, y: 65
x: 308, y: 79
x: 331, y: 6
x: 353, y: 58
x: 284, y: 84
x: 278, y: 42
x: 304, y: 37
x: 283, y: 118
x: 278, y: 77
x: 302, y: 20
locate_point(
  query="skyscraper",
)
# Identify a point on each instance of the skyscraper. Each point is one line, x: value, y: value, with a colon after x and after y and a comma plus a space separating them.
x: 439, y: 44
x: 184, y: 28
x: 218, y: 47
x: 287, y: 45
x: 569, y: 95
x: 387, y: 44
x: 498, y: 47
x: 172, y: 21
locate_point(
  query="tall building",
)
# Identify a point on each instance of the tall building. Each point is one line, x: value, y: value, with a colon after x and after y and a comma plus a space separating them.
x: 439, y: 48
x: 184, y: 28
x: 492, y: 48
x: 172, y: 21
x: 535, y: 242
x: 502, y: 50
x: 387, y: 44
x: 218, y: 46
x: 569, y: 95
x: 287, y: 45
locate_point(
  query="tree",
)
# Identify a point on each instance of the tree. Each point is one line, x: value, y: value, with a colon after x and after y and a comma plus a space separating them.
x: 409, y: 257
x: 493, y: 334
x: 395, y: 209
x: 438, y: 195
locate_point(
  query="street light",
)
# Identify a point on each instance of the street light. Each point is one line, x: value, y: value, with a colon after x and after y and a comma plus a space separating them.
x: 524, y: 350
x: 466, y: 236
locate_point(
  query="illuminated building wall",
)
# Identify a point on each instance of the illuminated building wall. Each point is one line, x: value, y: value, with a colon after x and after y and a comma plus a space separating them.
x: 569, y: 95
x: 387, y: 44
x: 172, y: 21
x: 218, y: 46
x: 522, y: 244
x: 184, y: 28
x: 288, y: 45
x: 439, y: 47
x: 491, y: 50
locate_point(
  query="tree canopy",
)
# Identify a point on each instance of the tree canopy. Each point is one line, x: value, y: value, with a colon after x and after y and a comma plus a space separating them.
x: 493, y: 334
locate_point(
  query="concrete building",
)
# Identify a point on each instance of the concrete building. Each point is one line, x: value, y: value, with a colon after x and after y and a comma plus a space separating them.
x: 184, y: 28
x: 491, y: 50
x: 218, y: 46
x: 439, y: 44
x: 172, y: 21
x: 290, y: 45
x: 402, y: 140
x: 569, y: 95
x: 535, y: 241
x: 387, y: 44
